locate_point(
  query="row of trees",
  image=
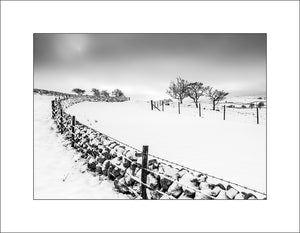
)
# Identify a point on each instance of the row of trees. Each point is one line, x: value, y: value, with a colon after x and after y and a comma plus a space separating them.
x: 180, y: 89
x: 96, y: 92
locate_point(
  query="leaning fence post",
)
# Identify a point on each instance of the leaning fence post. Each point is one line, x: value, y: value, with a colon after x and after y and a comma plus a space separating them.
x: 178, y: 107
x: 53, y: 106
x: 151, y: 104
x: 224, y: 112
x: 73, y: 131
x: 257, y: 116
x: 163, y: 106
x: 144, y: 171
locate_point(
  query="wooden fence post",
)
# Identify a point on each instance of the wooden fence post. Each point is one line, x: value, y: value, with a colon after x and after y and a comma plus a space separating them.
x: 53, y: 109
x: 73, y: 131
x: 61, y: 121
x: 257, y: 116
x: 224, y: 112
x: 151, y: 104
x: 178, y: 107
x: 163, y: 106
x: 144, y: 172
x: 199, y: 106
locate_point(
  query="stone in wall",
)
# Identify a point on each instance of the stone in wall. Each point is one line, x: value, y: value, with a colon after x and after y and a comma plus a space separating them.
x: 222, y: 195
x: 239, y: 196
x: 152, y: 181
x: 105, y: 167
x: 121, y: 186
x: 167, y: 171
x: 154, y: 195
x: 175, y: 190
x: 231, y: 192
x: 202, y: 196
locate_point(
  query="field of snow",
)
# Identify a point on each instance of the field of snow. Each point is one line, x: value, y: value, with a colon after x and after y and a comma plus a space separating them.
x: 234, y: 149
x: 57, y: 175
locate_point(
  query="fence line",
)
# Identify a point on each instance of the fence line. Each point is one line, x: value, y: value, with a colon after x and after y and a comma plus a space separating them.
x: 223, y: 103
x: 68, y: 123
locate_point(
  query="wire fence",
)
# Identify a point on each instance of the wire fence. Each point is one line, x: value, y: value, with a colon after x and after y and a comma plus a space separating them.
x: 137, y: 172
x: 254, y: 111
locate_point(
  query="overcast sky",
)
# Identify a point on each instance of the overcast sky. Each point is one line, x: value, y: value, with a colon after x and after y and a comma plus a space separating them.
x: 142, y: 65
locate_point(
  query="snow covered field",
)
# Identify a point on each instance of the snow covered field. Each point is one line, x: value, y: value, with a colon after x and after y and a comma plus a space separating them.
x: 56, y: 174
x: 234, y: 149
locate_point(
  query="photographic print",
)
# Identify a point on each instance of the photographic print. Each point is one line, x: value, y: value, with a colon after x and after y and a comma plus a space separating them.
x: 156, y: 116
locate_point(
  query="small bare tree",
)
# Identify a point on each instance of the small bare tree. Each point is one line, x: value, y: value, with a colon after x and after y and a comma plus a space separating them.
x: 117, y: 93
x: 96, y: 92
x: 216, y: 96
x: 178, y: 89
x: 195, y: 91
x: 104, y: 93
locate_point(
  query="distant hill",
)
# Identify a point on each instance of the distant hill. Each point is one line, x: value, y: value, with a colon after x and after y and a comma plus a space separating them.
x: 88, y: 97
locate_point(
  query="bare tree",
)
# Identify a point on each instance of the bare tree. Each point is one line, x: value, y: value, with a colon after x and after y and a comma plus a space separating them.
x: 216, y: 96
x: 96, y: 92
x: 117, y: 93
x: 78, y: 91
x: 195, y: 91
x: 104, y: 93
x: 178, y: 89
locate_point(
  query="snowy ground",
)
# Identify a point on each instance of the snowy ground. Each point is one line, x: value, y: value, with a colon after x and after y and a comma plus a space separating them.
x: 56, y: 174
x: 234, y: 149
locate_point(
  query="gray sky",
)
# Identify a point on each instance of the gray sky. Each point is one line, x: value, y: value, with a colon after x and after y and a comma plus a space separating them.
x: 142, y: 65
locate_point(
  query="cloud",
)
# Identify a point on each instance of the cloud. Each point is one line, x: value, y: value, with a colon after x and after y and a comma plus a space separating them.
x: 145, y: 63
